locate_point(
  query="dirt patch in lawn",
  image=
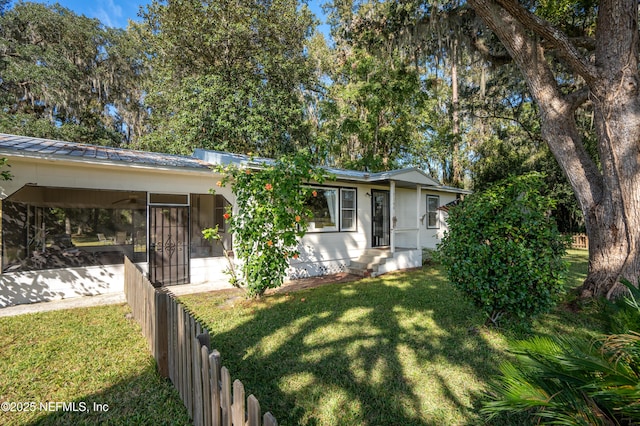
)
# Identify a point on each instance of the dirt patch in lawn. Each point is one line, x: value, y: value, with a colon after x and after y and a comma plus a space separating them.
x: 305, y: 283
x: 237, y: 296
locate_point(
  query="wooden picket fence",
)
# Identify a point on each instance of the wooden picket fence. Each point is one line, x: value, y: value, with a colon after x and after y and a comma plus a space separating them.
x: 579, y: 241
x: 180, y: 344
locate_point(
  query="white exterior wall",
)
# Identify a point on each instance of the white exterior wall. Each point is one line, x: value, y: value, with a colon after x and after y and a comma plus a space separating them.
x: 430, y: 237
x: 51, y: 284
x: 406, y: 223
x: 404, y: 259
x: 323, y: 253
x: 123, y: 177
x: 17, y: 288
x: 408, y: 214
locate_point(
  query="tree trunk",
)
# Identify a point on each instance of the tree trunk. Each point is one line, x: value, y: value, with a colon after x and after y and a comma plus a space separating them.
x: 456, y: 166
x: 615, y: 221
x: 609, y: 196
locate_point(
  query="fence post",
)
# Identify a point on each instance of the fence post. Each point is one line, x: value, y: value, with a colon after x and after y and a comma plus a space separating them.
x: 196, y: 361
x: 188, y: 359
x: 161, y: 330
x: 206, y: 385
x: 180, y: 370
x: 269, y: 420
x: 214, y: 376
x: 253, y: 411
x: 238, y: 403
x: 225, y: 397
x: 171, y: 344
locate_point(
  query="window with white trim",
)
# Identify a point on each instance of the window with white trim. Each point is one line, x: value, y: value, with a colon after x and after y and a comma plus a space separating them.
x: 433, y: 202
x: 347, y: 209
x: 323, y: 204
x: 332, y: 209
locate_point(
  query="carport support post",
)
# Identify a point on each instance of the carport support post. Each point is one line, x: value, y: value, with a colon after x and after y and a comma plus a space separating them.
x: 392, y: 201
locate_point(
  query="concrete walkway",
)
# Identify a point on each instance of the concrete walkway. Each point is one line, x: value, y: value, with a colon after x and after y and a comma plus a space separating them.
x: 104, y: 299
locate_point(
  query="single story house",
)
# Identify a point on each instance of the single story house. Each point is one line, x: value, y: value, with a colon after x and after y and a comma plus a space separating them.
x: 72, y: 212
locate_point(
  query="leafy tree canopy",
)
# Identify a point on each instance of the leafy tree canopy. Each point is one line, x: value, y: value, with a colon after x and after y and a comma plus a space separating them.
x: 227, y: 75
x: 63, y: 76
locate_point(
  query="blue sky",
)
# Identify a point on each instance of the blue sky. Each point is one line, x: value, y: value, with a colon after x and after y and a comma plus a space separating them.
x: 116, y: 13
x: 113, y: 13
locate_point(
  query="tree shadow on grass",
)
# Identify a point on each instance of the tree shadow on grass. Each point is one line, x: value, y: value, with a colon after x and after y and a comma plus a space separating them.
x: 400, y: 350
x: 143, y: 399
x: 68, y: 360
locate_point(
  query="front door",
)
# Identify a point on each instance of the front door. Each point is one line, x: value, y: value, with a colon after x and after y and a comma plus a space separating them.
x: 380, y: 218
x: 168, y: 245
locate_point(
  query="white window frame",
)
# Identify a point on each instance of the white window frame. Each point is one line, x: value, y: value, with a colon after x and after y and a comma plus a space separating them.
x: 339, y: 209
x: 354, y: 209
x: 336, y: 219
x: 434, y: 212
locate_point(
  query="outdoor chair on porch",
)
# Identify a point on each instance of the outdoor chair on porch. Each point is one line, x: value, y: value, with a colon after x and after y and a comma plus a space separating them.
x: 104, y: 240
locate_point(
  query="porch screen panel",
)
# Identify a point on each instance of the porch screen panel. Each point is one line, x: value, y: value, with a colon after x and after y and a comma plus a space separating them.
x: 207, y: 211
x: 49, y: 227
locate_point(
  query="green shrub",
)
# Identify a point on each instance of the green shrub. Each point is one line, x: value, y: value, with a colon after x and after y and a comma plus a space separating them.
x: 270, y: 220
x: 623, y: 314
x: 504, y: 251
x: 572, y: 381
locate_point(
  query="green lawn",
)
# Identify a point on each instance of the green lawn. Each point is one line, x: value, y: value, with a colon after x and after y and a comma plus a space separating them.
x: 82, y: 356
x: 402, y: 349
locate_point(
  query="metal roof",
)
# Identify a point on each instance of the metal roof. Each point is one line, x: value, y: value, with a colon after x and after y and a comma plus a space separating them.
x: 50, y: 149
x: 410, y: 175
x: 26, y: 146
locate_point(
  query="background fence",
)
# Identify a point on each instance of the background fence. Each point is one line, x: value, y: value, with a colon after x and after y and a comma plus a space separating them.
x: 180, y: 345
x: 579, y: 241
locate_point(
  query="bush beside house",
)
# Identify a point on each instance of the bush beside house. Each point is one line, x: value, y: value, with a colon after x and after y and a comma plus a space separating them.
x: 504, y: 251
x: 270, y: 220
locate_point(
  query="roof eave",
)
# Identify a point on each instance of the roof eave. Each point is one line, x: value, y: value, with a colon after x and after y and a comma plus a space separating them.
x: 102, y: 162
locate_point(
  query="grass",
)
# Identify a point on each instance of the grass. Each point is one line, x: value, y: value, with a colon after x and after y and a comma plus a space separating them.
x: 403, y: 348
x: 399, y: 349
x: 83, y: 356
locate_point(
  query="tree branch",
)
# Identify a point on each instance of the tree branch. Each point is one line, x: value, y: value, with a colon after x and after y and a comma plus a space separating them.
x: 558, y: 126
x: 577, y: 98
x: 552, y: 35
x: 488, y: 55
x: 532, y: 136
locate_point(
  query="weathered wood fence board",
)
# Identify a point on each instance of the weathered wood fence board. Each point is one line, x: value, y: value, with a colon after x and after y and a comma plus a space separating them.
x: 579, y: 241
x: 180, y: 344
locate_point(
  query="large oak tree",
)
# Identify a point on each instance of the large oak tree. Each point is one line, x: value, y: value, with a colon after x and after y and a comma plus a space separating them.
x: 606, y: 65
x: 67, y: 76
x: 226, y: 75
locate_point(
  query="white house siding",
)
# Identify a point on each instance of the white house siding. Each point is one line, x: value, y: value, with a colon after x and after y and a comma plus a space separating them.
x: 430, y: 237
x: 44, y: 285
x: 125, y: 177
x: 18, y: 288
x: 323, y: 253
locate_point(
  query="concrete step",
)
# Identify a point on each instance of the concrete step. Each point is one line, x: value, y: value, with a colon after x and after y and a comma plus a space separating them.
x: 368, y: 263
x: 363, y: 272
x: 374, y: 256
x: 382, y: 253
x: 365, y: 265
